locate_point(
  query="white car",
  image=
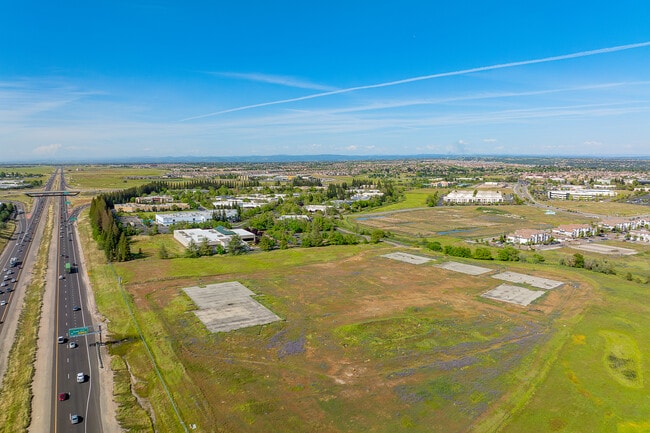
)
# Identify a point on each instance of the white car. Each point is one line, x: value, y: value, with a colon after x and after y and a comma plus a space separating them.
x: 81, y: 377
x: 72, y: 345
x: 3, y: 303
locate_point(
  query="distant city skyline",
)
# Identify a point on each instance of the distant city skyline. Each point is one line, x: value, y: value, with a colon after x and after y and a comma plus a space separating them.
x: 157, y: 78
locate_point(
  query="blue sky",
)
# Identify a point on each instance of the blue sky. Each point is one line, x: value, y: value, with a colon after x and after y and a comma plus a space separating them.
x: 106, y: 79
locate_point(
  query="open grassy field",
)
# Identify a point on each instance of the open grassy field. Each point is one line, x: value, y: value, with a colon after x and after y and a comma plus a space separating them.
x: 366, y: 344
x: 416, y: 198
x: 465, y: 222
x: 106, y: 177
x: 372, y: 344
x: 44, y: 170
x: 608, y: 208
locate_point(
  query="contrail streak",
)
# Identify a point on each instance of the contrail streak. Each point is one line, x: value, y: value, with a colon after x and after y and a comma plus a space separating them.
x: 428, y: 77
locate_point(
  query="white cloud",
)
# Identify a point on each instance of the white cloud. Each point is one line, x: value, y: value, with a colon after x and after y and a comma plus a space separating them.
x: 592, y: 143
x: 489, y: 140
x: 49, y: 149
x: 276, y: 79
x: 351, y: 147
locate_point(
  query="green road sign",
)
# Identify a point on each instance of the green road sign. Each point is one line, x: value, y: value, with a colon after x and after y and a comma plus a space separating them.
x: 77, y: 332
x: 67, y: 202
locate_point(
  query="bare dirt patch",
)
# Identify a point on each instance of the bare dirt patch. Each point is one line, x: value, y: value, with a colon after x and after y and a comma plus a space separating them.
x: 605, y: 249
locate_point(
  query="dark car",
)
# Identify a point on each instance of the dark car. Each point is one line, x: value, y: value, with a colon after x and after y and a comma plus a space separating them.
x: 63, y: 396
x: 76, y: 308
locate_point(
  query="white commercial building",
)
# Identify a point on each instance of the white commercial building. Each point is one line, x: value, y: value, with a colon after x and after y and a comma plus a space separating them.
x: 183, y: 217
x: 214, y: 237
x: 580, y: 194
x: 473, y: 197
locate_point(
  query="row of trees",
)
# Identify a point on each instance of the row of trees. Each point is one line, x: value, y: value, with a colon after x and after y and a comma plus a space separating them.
x: 6, y: 209
x: 507, y: 254
x: 107, y: 231
x: 157, y: 187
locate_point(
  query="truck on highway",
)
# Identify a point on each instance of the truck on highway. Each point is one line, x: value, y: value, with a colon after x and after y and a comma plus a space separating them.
x: 68, y: 268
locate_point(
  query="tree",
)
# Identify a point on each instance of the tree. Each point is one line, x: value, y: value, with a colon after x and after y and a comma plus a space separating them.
x: 432, y: 199
x: 578, y: 260
x: 162, y: 252
x: 236, y: 246
x: 204, y: 248
x: 508, y: 254
x: 377, y: 235
x: 482, y: 253
x: 434, y: 246
x: 123, y: 250
x: 192, y: 250
x: 266, y: 243
x: 537, y: 258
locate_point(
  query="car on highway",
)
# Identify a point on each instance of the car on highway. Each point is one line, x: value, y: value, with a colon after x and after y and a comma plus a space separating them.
x: 60, y: 276
x: 72, y: 345
x: 4, y: 284
x: 63, y: 396
x: 13, y: 280
x: 74, y: 418
x: 81, y: 377
x: 76, y: 308
x: 3, y: 303
x: 61, y: 339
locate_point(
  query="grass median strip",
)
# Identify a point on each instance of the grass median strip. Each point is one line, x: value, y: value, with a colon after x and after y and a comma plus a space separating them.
x: 16, y: 393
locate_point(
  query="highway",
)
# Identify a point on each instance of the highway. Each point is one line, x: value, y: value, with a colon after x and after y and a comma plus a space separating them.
x: 15, y: 253
x: 73, y: 355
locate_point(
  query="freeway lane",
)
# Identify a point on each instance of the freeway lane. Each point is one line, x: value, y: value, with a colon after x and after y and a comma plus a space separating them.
x: 82, y: 399
x: 20, y: 248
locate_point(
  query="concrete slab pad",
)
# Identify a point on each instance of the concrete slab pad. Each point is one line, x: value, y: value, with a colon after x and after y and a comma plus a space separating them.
x: 464, y: 268
x: 513, y: 294
x: 542, y: 283
x: 408, y: 258
x: 605, y: 249
x: 228, y: 306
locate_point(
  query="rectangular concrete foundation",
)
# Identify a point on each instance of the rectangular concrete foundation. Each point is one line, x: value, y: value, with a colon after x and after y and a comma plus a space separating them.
x: 408, y: 258
x: 542, y: 283
x: 228, y: 306
x: 513, y: 294
x: 464, y: 268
